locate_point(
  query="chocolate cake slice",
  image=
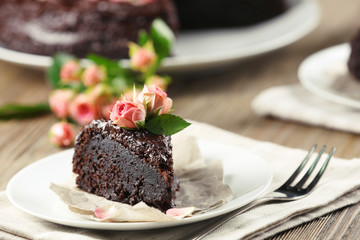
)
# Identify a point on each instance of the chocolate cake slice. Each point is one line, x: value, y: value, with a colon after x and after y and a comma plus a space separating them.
x: 123, y: 165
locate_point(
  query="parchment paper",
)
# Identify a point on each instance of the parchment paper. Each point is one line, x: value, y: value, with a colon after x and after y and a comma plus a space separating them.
x: 201, y: 189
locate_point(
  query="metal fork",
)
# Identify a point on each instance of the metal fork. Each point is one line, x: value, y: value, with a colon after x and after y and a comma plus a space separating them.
x: 289, y: 191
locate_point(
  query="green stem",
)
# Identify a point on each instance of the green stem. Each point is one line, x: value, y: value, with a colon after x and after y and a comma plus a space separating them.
x: 13, y: 110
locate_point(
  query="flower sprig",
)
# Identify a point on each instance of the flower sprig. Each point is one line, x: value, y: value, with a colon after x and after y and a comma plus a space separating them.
x: 84, y: 91
x: 88, y: 90
x: 150, y: 110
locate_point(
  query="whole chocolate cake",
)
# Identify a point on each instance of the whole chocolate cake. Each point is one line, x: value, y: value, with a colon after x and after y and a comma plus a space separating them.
x: 197, y: 14
x: 354, y: 59
x: 125, y: 165
x: 80, y: 27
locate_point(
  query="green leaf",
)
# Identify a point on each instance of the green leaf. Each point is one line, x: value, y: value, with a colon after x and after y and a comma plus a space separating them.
x: 117, y: 76
x: 113, y: 68
x: 166, y: 124
x: 53, y: 73
x: 102, y: 61
x: 163, y: 38
x: 10, y: 111
x: 143, y: 37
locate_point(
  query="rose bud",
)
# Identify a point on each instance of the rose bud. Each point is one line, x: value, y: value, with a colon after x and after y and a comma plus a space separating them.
x: 59, y: 101
x: 83, y: 109
x: 128, y: 115
x: 100, y: 94
x: 93, y: 74
x: 155, y: 99
x: 106, y: 109
x: 70, y: 72
x: 142, y: 58
x: 158, y: 81
x: 62, y: 134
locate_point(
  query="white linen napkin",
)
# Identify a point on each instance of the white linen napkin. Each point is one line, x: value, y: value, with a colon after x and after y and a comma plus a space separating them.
x: 295, y: 103
x: 339, y: 187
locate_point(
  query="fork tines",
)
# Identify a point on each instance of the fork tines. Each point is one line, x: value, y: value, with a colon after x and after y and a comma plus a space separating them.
x: 299, y: 185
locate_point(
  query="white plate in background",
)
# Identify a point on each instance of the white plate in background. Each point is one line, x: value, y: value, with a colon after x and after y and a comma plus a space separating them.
x: 200, y: 50
x: 325, y: 73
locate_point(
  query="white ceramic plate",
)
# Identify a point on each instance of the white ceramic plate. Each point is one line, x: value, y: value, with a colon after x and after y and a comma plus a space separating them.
x: 325, y: 74
x: 247, y: 174
x: 205, y: 49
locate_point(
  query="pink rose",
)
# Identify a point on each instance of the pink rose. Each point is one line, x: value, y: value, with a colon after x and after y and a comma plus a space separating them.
x: 93, y: 75
x: 59, y: 101
x: 142, y: 59
x: 70, y: 72
x: 62, y: 134
x: 100, y: 94
x: 127, y: 114
x: 155, y: 99
x: 83, y: 109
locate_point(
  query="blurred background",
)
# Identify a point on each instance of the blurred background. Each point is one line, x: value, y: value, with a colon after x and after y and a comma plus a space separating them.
x: 216, y: 74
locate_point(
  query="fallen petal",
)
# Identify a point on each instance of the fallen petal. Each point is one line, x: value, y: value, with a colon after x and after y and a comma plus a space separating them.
x: 180, y: 212
x: 105, y: 212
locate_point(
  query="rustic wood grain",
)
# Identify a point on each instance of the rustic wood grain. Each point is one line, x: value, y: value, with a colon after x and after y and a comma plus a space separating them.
x: 220, y: 97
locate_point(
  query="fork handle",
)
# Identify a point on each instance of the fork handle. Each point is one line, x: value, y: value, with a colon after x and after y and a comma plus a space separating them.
x: 209, y: 228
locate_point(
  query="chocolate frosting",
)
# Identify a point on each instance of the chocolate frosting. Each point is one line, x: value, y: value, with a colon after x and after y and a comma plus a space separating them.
x: 123, y: 165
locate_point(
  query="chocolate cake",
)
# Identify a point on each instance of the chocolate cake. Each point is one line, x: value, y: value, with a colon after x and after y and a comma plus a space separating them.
x: 80, y: 27
x: 198, y: 14
x: 123, y: 165
x: 354, y: 59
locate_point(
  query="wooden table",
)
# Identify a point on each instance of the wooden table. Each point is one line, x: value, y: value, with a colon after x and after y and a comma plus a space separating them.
x: 221, y: 98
